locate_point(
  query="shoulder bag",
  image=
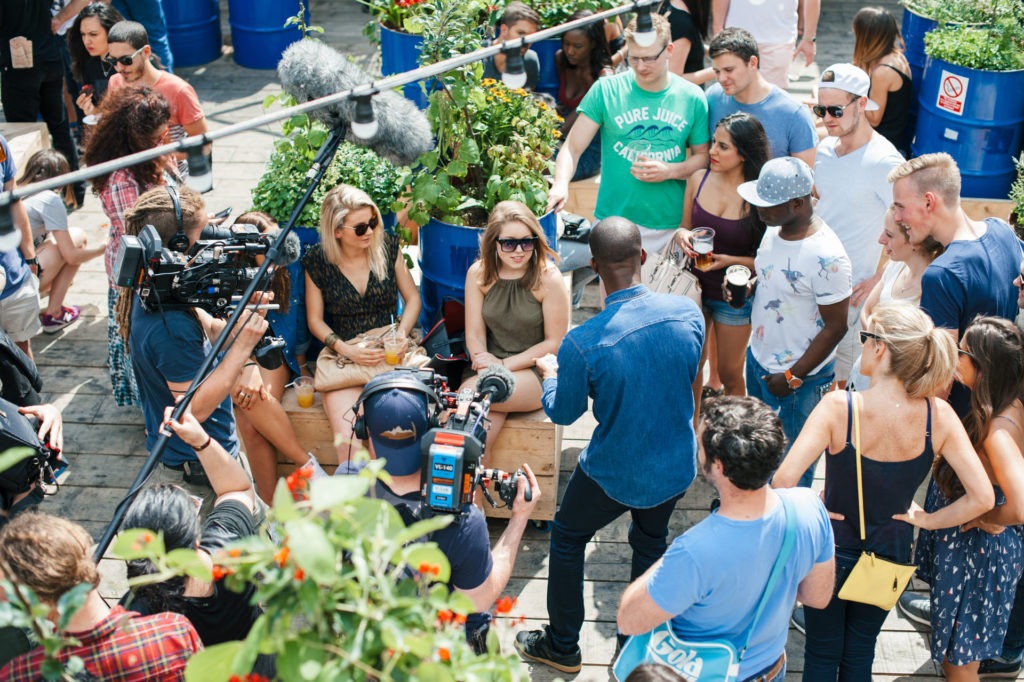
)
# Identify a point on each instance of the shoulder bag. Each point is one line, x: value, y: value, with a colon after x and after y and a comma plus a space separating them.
x: 335, y: 372
x: 715, y: 660
x: 667, y: 273
x: 873, y: 580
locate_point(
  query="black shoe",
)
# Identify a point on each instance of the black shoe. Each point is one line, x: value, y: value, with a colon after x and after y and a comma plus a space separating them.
x: 797, y: 620
x: 536, y: 646
x: 999, y: 667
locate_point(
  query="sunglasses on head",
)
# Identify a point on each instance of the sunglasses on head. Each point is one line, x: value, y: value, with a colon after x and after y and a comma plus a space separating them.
x: 362, y: 228
x: 126, y: 60
x: 961, y: 351
x: 509, y: 245
x: 834, y: 111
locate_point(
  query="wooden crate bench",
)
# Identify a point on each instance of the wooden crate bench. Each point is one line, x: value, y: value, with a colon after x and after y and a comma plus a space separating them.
x: 526, y: 437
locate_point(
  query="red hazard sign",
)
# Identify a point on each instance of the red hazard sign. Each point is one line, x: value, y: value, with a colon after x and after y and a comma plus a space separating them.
x: 952, y: 93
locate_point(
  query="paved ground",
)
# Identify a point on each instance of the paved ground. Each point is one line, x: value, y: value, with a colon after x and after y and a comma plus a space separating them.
x: 106, y: 442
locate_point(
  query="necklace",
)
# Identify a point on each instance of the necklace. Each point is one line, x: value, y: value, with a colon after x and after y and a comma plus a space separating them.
x: 901, y: 290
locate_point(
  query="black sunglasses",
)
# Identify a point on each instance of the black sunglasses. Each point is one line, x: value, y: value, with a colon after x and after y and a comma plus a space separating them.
x: 363, y: 228
x: 834, y: 111
x: 509, y: 245
x: 864, y: 336
x: 126, y: 60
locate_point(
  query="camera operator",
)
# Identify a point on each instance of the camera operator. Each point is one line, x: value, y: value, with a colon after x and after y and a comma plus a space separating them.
x: 396, y: 420
x: 168, y: 346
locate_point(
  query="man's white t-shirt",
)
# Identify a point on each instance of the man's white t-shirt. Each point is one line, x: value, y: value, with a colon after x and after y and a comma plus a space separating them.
x: 855, y: 194
x: 793, y: 279
x: 770, y: 23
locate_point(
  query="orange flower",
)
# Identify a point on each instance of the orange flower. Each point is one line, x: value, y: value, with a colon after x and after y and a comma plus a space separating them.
x: 235, y: 553
x: 219, y: 572
x: 444, y: 654
x: 281, y: 556
x: 460, y: 619
x: 147, y: 537
x: 299, y: 575
x: 445, y: 616
x: 505, y: 604
x: 432, y: 569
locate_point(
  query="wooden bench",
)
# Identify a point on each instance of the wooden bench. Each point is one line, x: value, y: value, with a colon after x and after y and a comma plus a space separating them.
x: 526, y: 437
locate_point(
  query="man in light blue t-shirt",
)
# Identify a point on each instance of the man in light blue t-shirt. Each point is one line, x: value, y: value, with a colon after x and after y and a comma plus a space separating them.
x: 654, y: 135
x: 709, y: 593
x: 741, y: 87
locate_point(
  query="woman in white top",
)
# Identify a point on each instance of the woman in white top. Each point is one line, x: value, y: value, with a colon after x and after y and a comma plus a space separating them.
x: 901, y: 279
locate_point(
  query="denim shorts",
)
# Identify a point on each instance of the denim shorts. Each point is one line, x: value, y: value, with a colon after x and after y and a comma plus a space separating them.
x: 723, y: 313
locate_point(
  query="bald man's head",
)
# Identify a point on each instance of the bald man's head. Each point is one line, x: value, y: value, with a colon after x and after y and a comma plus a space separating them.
x: 615, y: 240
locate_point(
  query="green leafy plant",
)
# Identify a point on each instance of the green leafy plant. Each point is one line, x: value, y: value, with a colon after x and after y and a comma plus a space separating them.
x: 994, y: 47
x: 963, y: 11
x: 350, y: 593
x: 1017, y: 197
x: 493, y: 143
x: 283, y: 181
x: 299, y: 22
x: 555, y: 12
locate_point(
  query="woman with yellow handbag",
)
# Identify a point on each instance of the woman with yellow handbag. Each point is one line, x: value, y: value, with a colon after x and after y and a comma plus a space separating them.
x: 881, y: 444
x: 973, y: 570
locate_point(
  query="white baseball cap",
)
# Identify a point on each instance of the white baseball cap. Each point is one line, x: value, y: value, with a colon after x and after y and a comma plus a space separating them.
x: 848, y: 78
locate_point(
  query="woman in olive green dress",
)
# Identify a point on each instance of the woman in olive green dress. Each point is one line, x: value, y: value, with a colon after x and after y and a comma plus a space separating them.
x: 517, y: 306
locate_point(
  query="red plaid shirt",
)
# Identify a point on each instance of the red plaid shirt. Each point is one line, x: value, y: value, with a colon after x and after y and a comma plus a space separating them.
x: 123, y: 647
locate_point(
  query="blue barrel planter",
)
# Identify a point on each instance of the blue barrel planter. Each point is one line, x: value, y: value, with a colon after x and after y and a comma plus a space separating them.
x: 985, y: 136
x: 914, y: 27
x: 193, y: 29
x: 258, y: 32
x: 548, y: 80
x: 400, y: 52
x: 446, y: 252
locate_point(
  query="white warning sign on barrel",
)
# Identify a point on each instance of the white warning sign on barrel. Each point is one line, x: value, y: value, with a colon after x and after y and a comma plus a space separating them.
x: 952, y: 93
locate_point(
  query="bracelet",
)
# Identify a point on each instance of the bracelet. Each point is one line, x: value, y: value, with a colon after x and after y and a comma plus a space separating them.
x: 209, y: 439
x: 330, y: 340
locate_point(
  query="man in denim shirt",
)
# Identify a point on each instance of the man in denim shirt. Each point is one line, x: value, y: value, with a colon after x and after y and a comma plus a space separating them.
x: 636, y: 359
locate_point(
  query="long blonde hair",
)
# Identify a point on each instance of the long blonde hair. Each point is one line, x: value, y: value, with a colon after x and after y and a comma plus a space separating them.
x: 338, y: 203
x: 921, y: 355
x: 508, y: 212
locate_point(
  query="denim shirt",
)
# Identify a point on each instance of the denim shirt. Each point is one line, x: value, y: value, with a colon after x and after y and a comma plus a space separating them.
x: 637, y: 360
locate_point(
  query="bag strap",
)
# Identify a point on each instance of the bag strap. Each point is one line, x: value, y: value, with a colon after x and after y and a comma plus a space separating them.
x: 860, y: 475
x: 788, y: 540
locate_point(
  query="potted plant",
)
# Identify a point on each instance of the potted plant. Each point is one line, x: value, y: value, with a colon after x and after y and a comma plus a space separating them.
x: 493, y: 144
x: 972, y: 98
x: 1017, y: 197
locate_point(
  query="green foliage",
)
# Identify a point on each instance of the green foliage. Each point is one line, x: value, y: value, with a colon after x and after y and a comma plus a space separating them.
x: 994, y: 47
x: 555, y: 12
x: 964, y: 11
x: 1017, y: 195
x: 23, y: 610
x: 348, y: 595
x: 284, y: 180
x: 299, y: 21
x: 493, y: 143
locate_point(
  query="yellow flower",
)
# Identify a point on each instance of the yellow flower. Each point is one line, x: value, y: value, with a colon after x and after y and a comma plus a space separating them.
x: 487, y: 82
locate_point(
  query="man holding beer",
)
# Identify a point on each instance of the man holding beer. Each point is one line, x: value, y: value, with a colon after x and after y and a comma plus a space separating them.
x: 801, y: 299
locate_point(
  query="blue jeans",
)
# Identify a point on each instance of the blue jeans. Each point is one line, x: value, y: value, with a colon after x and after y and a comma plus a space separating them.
x: 150, y: 13
x: 841, y: 637
x: 795, y: 408
x: 777, y: 677
x: 586, y: 509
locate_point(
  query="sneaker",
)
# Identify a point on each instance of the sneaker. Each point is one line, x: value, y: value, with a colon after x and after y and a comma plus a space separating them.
x: 536, y: 646
x: 53, y: 324
x: 797, y: 620
x: 998, y: 666
x: 916, y: 607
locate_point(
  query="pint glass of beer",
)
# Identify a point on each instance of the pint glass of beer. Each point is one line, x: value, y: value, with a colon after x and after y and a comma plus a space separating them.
x: 703, y: 245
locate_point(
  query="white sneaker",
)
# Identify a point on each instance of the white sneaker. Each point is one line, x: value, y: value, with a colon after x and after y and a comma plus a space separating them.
x: 313, y: 464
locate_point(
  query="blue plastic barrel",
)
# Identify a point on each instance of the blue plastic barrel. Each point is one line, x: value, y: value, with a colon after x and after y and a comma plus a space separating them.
x: 914, y: 28
x: 446, y: 252
x: 399, y: 53
x: 548, y: 80
x: 978, y: 118
x: 193, y: 29
x: 258, y: 30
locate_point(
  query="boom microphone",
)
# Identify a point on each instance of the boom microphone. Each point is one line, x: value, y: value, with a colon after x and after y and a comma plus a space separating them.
x: 497, y: 382
x: 309, y: 70
x: 290, y: 251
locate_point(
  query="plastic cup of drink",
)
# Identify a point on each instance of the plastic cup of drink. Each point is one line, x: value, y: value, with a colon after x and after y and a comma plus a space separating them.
x: 703, y: 245
x: 393, y: 349
x: 304, y: 391
x: 736, y: 279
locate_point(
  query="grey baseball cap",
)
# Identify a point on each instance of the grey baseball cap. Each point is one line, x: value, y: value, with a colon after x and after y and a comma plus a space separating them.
x: 780, y: 180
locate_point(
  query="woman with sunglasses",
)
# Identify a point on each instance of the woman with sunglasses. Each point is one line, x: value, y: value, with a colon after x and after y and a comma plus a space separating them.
x: 903, y: 429
x: 353, y: 280
x: 973, y: 570
x: 87, y: 42
x: 739, y: 148
x: 517, y: 306
x: 131, y: 120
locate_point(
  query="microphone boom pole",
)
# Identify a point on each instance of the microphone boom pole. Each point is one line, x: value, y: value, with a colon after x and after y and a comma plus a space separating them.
x: 315, y: 175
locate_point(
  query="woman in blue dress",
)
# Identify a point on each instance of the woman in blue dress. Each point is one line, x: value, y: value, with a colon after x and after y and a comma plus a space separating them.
x: 973, y: 570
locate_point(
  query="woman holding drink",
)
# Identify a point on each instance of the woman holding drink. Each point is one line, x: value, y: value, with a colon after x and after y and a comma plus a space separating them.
x: 517, y: 306
x: 353, y: 280
x: 712, y: 208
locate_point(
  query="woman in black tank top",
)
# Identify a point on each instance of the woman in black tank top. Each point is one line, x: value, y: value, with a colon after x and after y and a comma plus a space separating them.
x: 903, y: 427
x: 878, y: 50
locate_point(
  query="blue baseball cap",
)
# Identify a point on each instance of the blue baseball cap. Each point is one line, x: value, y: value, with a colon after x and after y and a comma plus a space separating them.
x: 396, y: 419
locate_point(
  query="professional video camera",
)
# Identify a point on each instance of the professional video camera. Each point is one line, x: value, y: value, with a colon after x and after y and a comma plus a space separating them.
x: 42, y: 467
x: 454, y: 452
x: 212, y: 275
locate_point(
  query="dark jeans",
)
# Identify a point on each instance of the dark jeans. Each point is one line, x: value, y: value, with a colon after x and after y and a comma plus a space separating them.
x: 841, y: 637
x: 28, y: 94
x: 585, y: 510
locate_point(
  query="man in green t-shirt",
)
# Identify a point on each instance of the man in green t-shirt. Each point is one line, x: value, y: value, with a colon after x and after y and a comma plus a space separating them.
x: 654, y: 134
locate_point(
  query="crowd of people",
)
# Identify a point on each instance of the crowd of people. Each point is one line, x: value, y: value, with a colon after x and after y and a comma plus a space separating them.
x: 877, y: 332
